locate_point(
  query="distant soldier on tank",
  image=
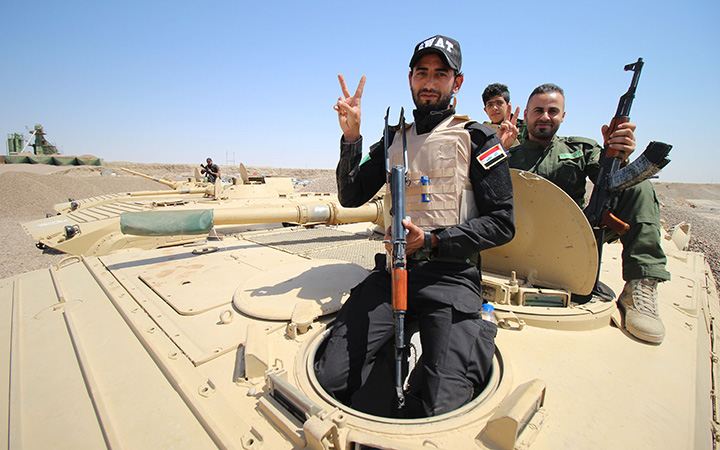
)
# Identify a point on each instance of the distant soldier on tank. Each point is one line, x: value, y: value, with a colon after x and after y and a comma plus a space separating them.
x: 210, y: 170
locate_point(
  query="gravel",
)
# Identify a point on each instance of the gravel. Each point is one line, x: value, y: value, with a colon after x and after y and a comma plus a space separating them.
x: 698, y: 205
x: 30, y: 191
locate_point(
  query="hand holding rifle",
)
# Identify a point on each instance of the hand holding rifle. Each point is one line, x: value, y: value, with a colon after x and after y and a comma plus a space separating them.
x: 415, y: 238
x: 621, y: 141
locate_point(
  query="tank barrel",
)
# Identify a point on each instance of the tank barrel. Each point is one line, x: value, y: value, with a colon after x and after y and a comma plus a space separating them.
x: 204, y: 190
x: 164, y: 223
x: 171, y: 184
x: 328, y: 213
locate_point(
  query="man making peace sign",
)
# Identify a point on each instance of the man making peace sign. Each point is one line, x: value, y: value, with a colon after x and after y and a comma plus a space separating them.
x: 470, y: 209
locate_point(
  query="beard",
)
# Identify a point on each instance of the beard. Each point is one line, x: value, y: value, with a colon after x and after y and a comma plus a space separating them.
x: 545, y: 134
x: 425, y: 107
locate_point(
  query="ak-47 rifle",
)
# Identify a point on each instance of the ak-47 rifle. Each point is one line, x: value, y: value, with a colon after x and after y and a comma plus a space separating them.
x: 612, y: 179
x: 208, y: 171
x: 397, y: 180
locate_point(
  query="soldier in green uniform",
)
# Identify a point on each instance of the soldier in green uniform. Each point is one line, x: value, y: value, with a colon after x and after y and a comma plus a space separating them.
x: 496, y: 101
x: 567, y: 162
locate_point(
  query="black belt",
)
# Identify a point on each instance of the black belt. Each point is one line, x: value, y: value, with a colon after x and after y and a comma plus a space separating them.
x: 428, y: 255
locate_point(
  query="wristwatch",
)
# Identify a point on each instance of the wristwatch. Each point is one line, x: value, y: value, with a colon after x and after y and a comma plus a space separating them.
x: 428, y: 241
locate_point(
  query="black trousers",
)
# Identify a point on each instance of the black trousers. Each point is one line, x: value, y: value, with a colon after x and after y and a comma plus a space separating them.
x: 457, y: 345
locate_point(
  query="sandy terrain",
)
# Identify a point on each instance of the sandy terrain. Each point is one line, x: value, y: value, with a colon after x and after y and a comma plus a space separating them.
x: 31, y: 190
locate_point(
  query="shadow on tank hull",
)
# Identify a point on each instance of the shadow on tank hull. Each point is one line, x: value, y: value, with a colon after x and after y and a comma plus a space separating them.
x: 212, y: 345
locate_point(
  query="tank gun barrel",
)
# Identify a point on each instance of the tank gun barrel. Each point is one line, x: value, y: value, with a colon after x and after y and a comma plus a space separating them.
x: 199, y: 190
x: 164, y: 223
x: 169, y: 183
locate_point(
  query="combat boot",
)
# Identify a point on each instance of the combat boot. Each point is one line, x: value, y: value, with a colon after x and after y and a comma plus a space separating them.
x: 639, y: 301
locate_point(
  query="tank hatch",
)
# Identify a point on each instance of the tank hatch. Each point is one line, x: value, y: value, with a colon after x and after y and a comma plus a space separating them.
x: 553, y: 246
x: 190, y: 285
x: 317, y: 286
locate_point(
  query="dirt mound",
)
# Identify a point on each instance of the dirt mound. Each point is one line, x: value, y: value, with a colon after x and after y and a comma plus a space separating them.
x: 688, y: 191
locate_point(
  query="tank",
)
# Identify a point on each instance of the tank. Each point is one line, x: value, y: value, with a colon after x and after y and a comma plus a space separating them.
x: 91, y: 227
x: 212, y: 344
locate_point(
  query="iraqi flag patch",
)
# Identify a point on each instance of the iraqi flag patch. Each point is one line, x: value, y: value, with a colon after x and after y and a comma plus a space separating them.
x: 492, y: 156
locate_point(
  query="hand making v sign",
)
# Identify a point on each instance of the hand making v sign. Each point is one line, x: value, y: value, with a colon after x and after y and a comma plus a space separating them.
x: 348, y: 109
x: 508, y: 132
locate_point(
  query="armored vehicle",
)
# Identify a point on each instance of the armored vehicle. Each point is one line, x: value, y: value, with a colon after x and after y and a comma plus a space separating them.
x: 91, y: 226
x: 212, y: 344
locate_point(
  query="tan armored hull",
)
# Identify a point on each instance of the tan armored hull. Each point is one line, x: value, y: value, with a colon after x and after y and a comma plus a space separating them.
x: 212, y: 345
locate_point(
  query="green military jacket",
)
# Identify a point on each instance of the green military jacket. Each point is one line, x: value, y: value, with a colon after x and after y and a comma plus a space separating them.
x: 567, y: 162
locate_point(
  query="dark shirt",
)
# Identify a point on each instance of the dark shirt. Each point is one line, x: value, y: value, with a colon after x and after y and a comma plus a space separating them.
x: 212, y: 167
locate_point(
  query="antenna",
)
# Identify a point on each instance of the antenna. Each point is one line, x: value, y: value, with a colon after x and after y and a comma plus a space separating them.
x: 228, y: 160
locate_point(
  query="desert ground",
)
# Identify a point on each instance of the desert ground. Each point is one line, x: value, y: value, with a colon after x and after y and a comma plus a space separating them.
x: 29, y: 191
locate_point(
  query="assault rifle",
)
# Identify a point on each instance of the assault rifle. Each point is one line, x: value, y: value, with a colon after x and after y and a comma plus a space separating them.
x: 612, y: 179
x: 397, y: 180
x: 208, y: 172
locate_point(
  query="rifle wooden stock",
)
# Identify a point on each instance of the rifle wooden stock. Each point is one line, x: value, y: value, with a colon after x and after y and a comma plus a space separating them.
x: 399, y: 289
x: 609, y: 220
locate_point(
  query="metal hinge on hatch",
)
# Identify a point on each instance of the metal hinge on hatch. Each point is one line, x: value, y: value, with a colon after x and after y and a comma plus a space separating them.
x: 508, y: 320
x: 518, y: 419
x: 302, y: 420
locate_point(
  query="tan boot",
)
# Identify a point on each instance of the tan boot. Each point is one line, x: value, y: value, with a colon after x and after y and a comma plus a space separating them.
x: 642, y: 320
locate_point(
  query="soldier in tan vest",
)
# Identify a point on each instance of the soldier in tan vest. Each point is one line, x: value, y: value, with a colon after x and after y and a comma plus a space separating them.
x: 467, y: 207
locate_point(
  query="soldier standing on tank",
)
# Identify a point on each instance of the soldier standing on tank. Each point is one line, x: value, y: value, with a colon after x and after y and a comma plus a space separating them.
x: 567, y: 162
x: 211, y: 171
x: 468, y: 172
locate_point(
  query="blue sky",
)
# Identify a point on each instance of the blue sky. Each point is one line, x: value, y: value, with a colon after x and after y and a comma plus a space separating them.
x: 175, y: 82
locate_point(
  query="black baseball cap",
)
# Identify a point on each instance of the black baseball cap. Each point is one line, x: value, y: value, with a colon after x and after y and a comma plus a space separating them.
x: 447, y: 48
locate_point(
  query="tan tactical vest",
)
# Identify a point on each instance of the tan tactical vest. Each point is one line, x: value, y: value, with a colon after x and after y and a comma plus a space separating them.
x: 443, y: 155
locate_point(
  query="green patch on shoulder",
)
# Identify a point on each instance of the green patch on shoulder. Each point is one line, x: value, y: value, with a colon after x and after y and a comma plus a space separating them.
x: 573, y: 155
